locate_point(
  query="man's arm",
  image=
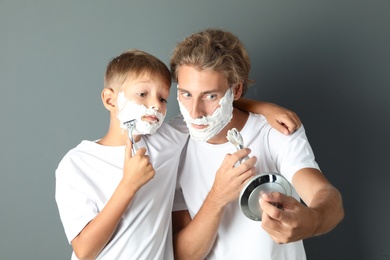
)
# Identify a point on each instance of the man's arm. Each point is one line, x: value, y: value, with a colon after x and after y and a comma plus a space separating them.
x: 282, y: 119
x: 98, y: 232
x: 193, y: 239
x: 295, y: 221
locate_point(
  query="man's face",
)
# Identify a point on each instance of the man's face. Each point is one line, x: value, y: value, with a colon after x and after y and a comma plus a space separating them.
x: 205, y: 100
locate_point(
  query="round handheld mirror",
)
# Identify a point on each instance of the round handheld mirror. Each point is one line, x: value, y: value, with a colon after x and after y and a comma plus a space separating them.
x: 264, y: 182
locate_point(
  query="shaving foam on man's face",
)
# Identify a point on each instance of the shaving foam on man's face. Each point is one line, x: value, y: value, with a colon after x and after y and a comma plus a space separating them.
x: 129, y: 110
x: 216, y: 122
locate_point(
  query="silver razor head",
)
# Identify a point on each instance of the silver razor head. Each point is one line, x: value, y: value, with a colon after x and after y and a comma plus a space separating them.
x: 130, y: 125
x: 235, y: 138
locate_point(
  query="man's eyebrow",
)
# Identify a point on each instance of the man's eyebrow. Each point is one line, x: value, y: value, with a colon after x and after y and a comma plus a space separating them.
x: 182, y: 89
x: 205, y: 92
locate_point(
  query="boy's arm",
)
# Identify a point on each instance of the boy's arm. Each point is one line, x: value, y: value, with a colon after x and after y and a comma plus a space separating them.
x: 193, y: 239
x: 282, y: 119
x: 98, y: 232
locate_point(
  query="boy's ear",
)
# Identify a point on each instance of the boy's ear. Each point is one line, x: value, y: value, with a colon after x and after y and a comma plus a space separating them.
x: 237, y: 91
x: 109, y: 99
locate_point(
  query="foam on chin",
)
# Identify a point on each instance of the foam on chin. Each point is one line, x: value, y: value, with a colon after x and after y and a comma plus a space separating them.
x: 129, y: 110
x: 216, y: 122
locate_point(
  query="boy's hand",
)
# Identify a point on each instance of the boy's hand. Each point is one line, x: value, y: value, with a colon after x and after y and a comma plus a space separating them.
x: 137, y: 169
x: 282, y: 119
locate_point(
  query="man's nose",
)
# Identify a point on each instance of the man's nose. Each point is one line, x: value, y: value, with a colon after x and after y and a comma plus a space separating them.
x: 197, y: 110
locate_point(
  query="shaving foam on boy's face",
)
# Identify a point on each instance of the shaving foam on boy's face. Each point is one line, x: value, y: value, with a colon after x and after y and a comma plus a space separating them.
x: 148, y: 120
x: 216, y: 122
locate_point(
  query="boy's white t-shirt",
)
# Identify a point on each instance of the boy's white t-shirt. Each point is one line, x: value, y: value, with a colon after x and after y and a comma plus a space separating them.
x: 239, y: 237
x: 88, y: 175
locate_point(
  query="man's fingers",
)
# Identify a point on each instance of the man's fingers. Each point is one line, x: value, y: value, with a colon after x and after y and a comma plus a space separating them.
x: 274, y: 203
x: 238, y: 156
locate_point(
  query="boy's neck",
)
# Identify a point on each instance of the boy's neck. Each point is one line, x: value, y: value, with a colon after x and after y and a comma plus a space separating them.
x: 116, y: 136
x: 238, y: 121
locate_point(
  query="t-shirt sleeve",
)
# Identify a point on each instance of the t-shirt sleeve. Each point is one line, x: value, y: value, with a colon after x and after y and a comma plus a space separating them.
x: 292, y: 153
x: 75, y: 206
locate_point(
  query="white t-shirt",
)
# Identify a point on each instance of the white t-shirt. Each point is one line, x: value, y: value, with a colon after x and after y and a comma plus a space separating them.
x: 239, y: 237
x: 88, y: 175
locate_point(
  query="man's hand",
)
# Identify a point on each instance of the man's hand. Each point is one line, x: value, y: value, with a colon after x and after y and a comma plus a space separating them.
x: 290, y: 221
x: 229, y: 180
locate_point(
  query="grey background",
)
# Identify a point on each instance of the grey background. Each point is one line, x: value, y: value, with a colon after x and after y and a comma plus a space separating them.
x: 329, y: 61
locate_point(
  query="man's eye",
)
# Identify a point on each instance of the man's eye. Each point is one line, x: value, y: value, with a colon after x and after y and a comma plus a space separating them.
x: 163, y: 100
x: 186, y: 95
x: 211, y: 96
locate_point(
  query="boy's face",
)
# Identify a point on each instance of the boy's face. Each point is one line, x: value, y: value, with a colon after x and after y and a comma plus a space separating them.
x: 143, y: 98
x: 205, y: 100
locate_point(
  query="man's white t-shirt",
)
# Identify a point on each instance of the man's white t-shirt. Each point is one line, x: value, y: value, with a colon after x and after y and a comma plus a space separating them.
x: 239, y: 237
x: 88, y: 175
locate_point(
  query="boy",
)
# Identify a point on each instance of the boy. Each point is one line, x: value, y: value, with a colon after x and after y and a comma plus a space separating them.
x: 212, y: 69
x: 115, y: 204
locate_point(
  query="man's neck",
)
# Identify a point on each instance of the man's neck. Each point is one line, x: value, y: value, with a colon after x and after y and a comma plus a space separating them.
x: 238, y: 121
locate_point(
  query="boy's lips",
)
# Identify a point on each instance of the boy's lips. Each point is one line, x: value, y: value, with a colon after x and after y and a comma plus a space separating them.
x: 150, y: 119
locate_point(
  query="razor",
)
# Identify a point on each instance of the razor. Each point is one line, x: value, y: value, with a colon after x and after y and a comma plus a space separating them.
x: 130, y: 126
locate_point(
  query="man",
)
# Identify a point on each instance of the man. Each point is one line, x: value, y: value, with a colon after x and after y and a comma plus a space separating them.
x: 212, y: 69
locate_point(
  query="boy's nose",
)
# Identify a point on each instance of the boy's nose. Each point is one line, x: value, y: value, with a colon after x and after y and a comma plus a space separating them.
x: 157, y: 108
x: 155, y: 104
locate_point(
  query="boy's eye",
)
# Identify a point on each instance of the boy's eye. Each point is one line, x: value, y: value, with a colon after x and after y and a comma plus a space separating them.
x: 163, y: 100
x: 141, y: 94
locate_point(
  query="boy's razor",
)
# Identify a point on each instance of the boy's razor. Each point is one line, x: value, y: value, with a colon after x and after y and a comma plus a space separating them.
x: 130, y: 126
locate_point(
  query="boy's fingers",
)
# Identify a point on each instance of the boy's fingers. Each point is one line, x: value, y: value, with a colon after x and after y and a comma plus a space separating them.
x: 129, y: 146
x: 141, y: 151
x: 283, y: 127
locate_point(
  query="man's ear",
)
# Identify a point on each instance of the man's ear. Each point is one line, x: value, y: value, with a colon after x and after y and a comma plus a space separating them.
x: 237, y: 90
x: 109, y: 99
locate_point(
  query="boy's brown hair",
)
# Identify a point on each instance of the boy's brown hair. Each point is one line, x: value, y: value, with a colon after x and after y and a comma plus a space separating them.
x: 134, y: 63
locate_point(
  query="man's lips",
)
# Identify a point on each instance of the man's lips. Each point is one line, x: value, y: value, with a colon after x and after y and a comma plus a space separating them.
x: 199, y: 127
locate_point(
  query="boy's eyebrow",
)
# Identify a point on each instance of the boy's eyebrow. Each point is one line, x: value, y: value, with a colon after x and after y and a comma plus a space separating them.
x: 142, y: 81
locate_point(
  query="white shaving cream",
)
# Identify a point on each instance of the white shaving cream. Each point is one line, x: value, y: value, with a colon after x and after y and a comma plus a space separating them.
x: 129, y: 110
x: 216, y: 122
